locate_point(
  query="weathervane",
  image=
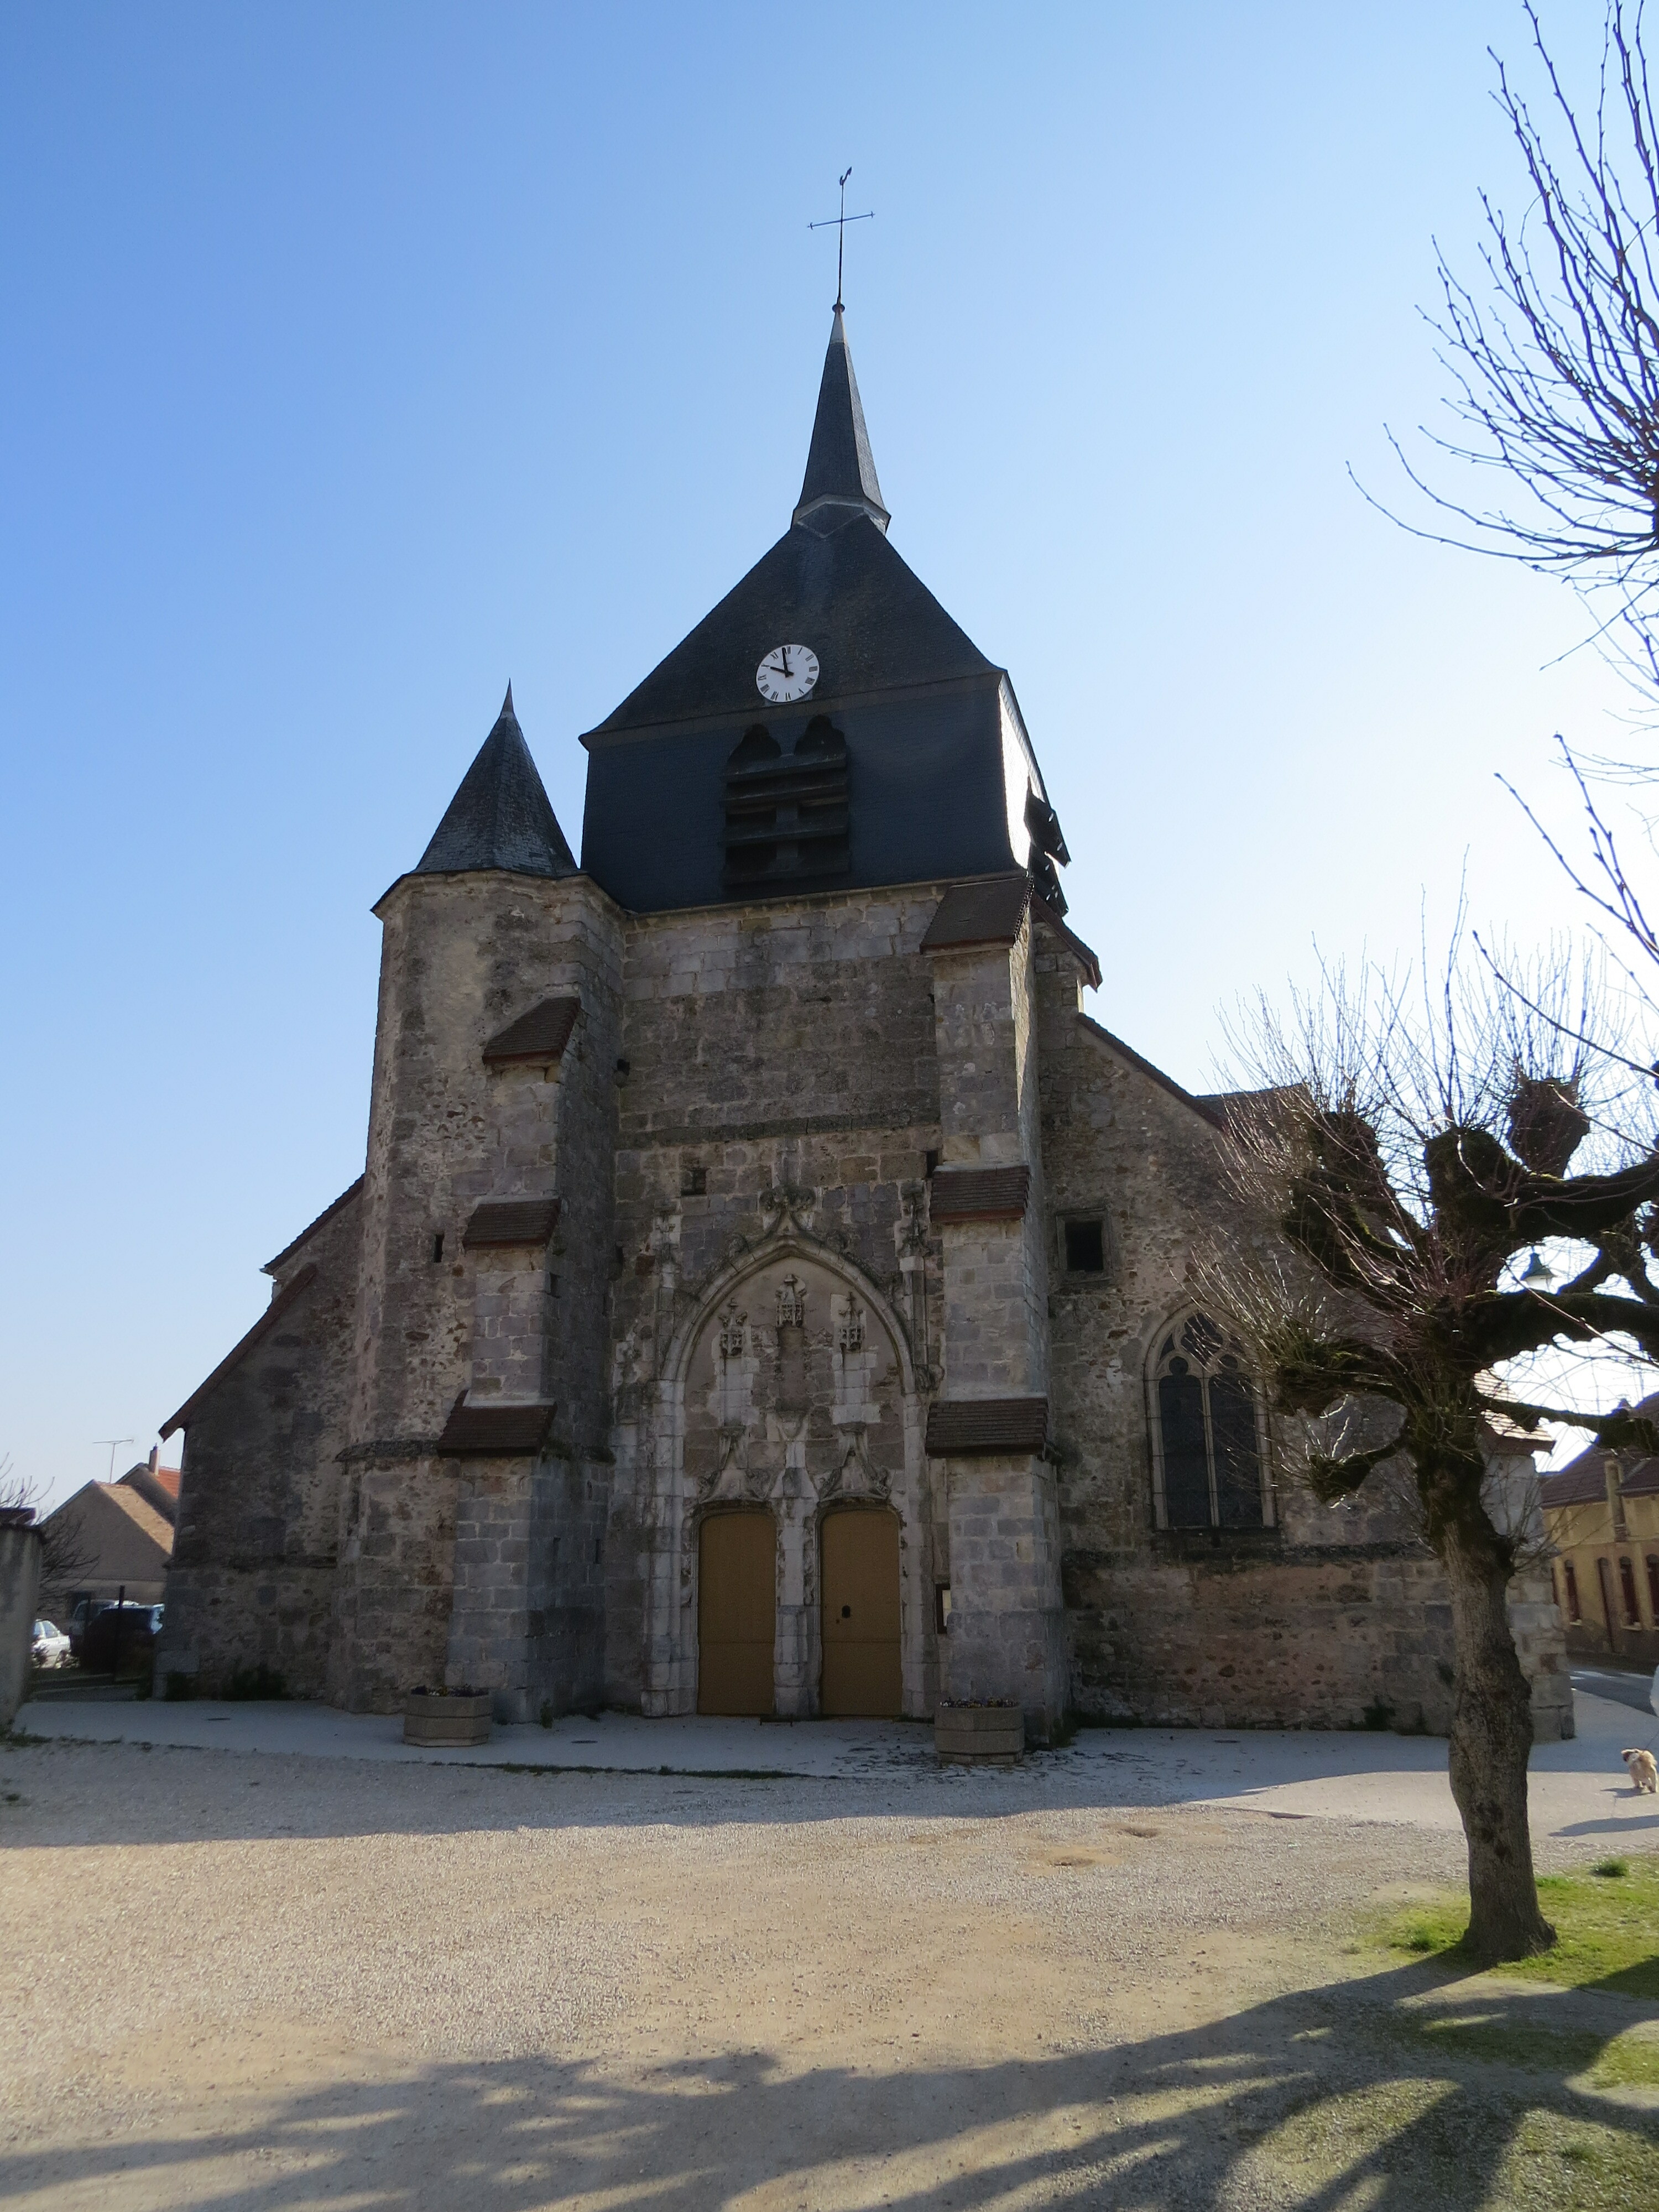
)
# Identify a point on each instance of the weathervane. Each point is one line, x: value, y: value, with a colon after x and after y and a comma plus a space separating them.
x: 839, y: 222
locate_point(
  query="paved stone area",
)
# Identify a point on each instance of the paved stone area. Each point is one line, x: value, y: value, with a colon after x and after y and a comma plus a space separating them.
x: 1579, y: 1789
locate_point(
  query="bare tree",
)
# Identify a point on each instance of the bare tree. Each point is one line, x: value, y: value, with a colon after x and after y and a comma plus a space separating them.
x: 1555, y: 372
x: 66, y: 1556
x: 1554, y: 363
x: 1406, y: 1154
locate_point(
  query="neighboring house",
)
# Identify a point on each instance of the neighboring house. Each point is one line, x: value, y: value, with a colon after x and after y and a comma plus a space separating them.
x: 1602, y: 1512
x: 109, y: 1538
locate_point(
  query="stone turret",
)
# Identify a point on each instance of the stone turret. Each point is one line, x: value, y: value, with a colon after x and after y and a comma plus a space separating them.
x: 479, y: 1358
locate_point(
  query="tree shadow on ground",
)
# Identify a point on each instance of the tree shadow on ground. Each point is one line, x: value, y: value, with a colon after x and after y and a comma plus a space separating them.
x: 1398, y: 2091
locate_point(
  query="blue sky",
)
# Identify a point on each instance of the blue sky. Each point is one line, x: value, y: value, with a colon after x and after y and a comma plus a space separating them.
x: 355, y: 360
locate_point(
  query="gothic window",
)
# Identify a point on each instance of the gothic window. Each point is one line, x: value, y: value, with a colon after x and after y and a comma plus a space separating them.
x: 1209, y: 1432
x: 1574, y: 1611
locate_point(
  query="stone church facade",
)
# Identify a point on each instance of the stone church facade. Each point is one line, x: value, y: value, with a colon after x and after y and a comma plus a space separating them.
x: 767, y: 1290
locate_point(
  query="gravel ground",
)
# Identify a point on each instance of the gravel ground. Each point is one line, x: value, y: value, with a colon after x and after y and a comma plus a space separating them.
x: 261, y: 1982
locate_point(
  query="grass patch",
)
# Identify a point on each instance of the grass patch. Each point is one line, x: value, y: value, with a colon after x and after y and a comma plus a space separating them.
x: 1428, y: 2143
x: 1607, y: 1927
x: 1628, y: 2062
x: 1575, y: 2166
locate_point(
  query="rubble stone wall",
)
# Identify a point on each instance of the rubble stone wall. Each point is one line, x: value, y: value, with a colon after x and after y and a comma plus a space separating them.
x: 1335, y: 1613
x: 256, y: 1541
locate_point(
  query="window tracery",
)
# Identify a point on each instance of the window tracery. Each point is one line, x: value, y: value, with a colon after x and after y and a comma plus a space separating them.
x: 1205, y: 1409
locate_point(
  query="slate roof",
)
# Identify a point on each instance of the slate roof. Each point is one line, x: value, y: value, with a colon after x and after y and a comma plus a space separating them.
x: 840, y: 482
x: 541, y: 1035
x: 495, y: 1432
x: 872, y: 623
x: 512, y: 1221
x: 979, y: 1193
x: 500, y: 817
x: 832, y: 581
x: 968, y: 1428
x: 352, y: 1190
x: 290, y: 1295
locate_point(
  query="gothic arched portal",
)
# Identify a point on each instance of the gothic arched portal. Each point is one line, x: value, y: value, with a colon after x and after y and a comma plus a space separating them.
x: 790, y: 1389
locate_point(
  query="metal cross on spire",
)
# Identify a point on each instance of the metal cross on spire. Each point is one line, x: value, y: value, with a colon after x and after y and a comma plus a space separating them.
x: 839, y: 222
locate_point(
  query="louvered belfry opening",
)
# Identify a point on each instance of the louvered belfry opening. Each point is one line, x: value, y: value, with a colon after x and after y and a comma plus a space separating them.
x: 786, y: 813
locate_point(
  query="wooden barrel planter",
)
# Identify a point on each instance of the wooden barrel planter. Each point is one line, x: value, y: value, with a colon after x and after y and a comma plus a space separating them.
x: 980, y: 1735
x: 435, y: 1717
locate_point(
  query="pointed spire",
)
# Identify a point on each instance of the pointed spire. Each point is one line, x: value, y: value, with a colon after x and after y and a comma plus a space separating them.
x: 500, y: 817
x: 841, y: 482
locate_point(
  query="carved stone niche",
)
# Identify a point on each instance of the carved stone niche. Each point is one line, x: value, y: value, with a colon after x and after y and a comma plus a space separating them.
x: 793, y: 1390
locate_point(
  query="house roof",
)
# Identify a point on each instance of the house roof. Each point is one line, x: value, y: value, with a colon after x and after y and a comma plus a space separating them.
x: 95, y: 1502
x: 1584, y: 1481
x: 143, y: 1515
x: 501, y: 815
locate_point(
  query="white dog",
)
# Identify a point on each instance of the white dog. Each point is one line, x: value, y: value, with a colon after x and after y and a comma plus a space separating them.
x: 1643, y: 1773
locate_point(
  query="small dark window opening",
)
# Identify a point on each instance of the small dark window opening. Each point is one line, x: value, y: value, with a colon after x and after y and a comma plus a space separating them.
x: 1085, y: 1248
x: 1627, y: 1592
x: 552, y: 1284
x: 931, y: 1159
x: 437, y: 1248
x: 694, y: 1182
x: 598, y: 1550
x: 1653, y: 1588
x: 1574, y: 1611
x: 942, y: 1607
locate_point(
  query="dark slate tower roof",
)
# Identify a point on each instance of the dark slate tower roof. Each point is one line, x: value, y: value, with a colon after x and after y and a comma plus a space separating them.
x: 500, y: 817
x: 872, y: 623
x: 907, y: 762
x: 832, y: 580
x: 840, y: 482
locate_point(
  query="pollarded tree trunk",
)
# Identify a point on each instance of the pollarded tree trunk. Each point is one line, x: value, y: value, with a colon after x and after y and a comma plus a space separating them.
x: 1490, y: 1744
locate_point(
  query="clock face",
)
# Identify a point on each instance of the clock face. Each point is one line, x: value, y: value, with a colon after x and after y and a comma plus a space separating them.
x: 788, y: 671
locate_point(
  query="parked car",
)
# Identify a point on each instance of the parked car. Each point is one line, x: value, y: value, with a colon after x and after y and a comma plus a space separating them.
x: 119, y: 1637
x: 50, y: 1647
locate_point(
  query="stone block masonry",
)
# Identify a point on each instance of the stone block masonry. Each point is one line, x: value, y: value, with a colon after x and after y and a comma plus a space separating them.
x: 743, y: 1305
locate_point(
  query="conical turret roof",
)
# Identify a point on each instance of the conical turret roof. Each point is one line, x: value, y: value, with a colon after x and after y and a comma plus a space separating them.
x: 500, y: 817
x: 840, y: 483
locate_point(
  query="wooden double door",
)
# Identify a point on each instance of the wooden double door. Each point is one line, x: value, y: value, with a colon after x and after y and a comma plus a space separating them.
x: 737, y: 1613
